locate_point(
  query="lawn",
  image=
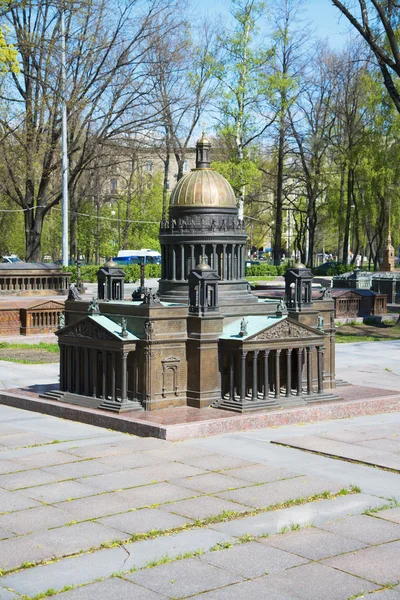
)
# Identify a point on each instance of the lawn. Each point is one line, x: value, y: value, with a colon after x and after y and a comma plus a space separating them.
x: 31, y: 354
x: 360, y: 332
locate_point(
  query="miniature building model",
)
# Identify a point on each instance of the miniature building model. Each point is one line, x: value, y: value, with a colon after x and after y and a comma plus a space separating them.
x: 358, y: 303
x: 37, y: 279
x: 204, y: 339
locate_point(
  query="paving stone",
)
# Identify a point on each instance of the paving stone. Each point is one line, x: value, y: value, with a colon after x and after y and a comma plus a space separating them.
x: 180, y: 452
x: 10, y: 501
x: 315, y: 513
x: 244, y: 591
x: 121, y: 462
x: 7, y: 594
x: 157, y: 493
x: 5, y: 535
x: 24, y: 439
x: 26, y: 479
x: 89, y: 567
x: 313, y: 543
x: 252, y: 560
x: 377, y: 563
x: 392, y: 514
x: 75, y: 538
x: 351, y: 437
x: 172, y: 578
x: 216, y: 462
x: 262, y: 474
x: 389, y: 460
x: 203, y: 507
x: 327, y: 446
x: 210, y: 483
x: 280, y: 491
x: 124, y: 446
x: 104, y: 590
x: 9, y: 466
x: 365, y: 528
x: 314, y: 582
x: 44, y: 459
x: 58, y: 492
x: 141, y: 476
x: 17, y: 550
x: 385, y: 444
x: 84, y: 468
x: 70, y: 571
x: 34, y: 519
x: 141, y: 521
x: 93, y: 507
x: 387, y: 594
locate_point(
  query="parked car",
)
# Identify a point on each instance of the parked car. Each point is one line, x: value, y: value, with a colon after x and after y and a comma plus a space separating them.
x: 12, y: 258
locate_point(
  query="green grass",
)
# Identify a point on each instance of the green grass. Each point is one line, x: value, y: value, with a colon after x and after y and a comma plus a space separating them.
x: 41, y: 346
x: 347, y: 338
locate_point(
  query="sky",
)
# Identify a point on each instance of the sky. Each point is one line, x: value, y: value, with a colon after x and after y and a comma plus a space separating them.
x: 321, y: 14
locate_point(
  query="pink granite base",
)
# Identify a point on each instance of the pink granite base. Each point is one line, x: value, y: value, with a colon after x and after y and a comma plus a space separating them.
x: 186, y: 423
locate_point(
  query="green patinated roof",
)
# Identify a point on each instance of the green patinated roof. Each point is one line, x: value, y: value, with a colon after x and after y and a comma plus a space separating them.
x: 112, y: 327
x: 255, y: 324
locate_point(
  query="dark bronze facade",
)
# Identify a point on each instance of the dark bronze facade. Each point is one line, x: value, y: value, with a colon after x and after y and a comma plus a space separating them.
x: 204, y: 339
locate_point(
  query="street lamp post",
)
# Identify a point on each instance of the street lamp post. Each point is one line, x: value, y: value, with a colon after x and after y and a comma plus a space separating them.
x: 118, y: 220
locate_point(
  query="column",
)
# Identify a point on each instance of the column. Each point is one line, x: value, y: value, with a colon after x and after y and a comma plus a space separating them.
x: 234, y: 262
x: 192, y: 256
x: 77, y: 371
x: 86, y: 366
x: 254, y: 393
x: 124, y: 389
x: 113, y: 374
x: 94, y: 372
x: 224, y: 262
x: 266, y: 375
x: 173, y: 263
x: 309, y: 370
x: 277, y: 373
x: 243, y: 357
x: 104, y: 375
x: 288, y: 372
x: 232, y: 376
x: 299, y: 371
x: 320, y: 368
x: 69, y: 368
x: 214, y: 257
x: 62, y: 367
x: 182, y: 262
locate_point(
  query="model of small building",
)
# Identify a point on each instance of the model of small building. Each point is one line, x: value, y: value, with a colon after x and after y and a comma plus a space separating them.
x: 204, y: 339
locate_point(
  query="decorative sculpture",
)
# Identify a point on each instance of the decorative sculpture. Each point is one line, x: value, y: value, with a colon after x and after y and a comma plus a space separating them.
x: 243, y: 327
x: 281, y: 308
x: 61, y: 320
x: 73, y: 293
x: 124, y: 331
x: 320, y: 325
x: 93, y: 306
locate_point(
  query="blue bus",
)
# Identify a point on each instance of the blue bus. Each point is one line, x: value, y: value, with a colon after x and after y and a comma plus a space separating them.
x: 135, y: 257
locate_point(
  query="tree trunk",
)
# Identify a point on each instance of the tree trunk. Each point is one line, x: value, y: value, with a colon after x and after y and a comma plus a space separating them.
x: 279, y: 195
x: 165, y: 186
x: 73, y: 228
x: 341, y: 207
x: 33, y: 234
x: 346, y: 240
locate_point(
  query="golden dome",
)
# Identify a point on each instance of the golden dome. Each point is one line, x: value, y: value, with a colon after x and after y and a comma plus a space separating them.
x: 203, y: 187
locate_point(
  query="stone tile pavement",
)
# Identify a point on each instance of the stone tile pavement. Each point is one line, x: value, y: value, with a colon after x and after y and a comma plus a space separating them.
x: 86, y: 513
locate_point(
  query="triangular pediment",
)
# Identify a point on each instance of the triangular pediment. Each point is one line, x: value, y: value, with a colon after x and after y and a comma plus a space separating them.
x: 284, y: 330
x: 88, y: 329
x: 49, y: 305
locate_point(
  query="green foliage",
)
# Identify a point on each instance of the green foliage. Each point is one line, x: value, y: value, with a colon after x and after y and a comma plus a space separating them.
x: 240, y: 173
x: 132, y: 272
x: 264, y: 269
x: 8, y: 55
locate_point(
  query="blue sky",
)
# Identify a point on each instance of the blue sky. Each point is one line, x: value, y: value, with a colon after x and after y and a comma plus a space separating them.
x: 321, y: 14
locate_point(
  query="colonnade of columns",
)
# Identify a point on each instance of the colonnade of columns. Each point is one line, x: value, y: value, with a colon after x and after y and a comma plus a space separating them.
x: 45, y: 318
x: 95, y: 373
x: 257, y: 374
x: 33, y: 283
x: 178, y: 260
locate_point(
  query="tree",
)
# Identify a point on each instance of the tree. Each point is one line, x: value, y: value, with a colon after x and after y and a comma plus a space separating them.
x: 244, y: 75
x: 377, y: 21
x: 107, y: 83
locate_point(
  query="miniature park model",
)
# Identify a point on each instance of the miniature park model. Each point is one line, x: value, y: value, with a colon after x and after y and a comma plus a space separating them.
x: 204, y: 339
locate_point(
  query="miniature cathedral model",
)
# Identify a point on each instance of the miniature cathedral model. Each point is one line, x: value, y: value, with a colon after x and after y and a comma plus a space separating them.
x: 204, y: 339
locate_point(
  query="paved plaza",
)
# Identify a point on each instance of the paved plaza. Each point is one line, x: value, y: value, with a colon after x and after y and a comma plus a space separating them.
x: 87, y: 512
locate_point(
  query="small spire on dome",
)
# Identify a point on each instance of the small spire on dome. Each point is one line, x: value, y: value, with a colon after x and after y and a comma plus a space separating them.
x: 203, y: 151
